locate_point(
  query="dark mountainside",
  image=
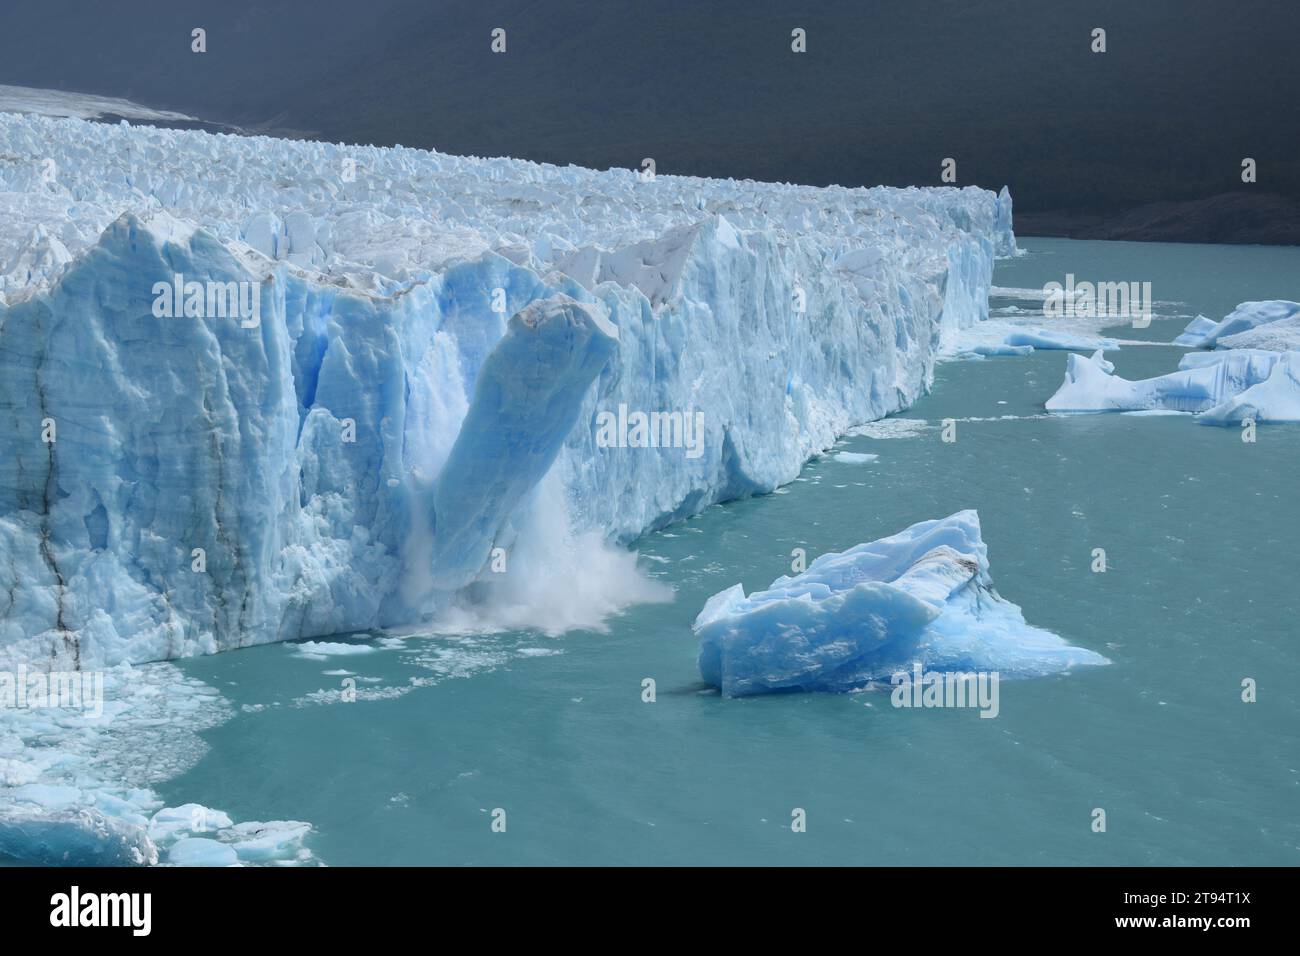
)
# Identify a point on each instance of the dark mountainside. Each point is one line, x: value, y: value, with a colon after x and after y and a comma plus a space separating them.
x: 1144, y: 141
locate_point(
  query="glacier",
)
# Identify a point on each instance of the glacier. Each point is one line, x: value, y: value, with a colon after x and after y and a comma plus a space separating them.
x: 923, y: 596
x: 415, y: 390
x: 255, y: 390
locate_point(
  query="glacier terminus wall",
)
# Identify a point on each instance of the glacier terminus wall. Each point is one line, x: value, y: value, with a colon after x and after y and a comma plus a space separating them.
x: 255, y: 390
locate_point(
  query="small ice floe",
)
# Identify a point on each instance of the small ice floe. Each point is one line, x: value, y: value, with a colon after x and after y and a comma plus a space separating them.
x: 320, y: 650
x: 1047, y: 339
x: 991, y: 351
x: 73, y: 783
x: 855, y: 458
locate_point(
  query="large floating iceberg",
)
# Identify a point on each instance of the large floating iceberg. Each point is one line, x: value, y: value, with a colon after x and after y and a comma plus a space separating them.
x: 254, y: 390
x: 1220, y: 387
x: 923, y: 596
x: 1249, y: 325
x: 1275, y: 399
x: 1091, y: 386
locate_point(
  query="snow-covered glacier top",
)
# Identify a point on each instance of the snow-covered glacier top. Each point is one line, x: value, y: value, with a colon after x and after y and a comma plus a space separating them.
x: 379, y: 218
x: 256, y: 389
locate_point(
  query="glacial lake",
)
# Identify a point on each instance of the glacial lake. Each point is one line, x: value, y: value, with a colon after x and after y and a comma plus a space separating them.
x: 1200, y: 531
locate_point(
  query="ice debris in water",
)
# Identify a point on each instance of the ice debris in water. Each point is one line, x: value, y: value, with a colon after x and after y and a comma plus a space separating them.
x: 922, y: 596
x: 75, y: 781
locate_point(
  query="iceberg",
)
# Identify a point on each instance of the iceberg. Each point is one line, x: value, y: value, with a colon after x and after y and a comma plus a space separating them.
x: 1220, y: 387
x: 1047, y: 339
x: 1275, y: 399
x: 1204, y: 359
x: 1091, y: 386
x: 1243, y: 327
x: 921, y: 597
x: 256, y: 390
x: 514, y: 428
x: 1280, y: 336
x: 1196, y: 331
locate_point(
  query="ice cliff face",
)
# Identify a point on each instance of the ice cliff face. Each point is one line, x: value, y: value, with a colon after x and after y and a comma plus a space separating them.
x: 253, y: 390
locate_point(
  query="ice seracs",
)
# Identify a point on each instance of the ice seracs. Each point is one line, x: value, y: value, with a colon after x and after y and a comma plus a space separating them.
x: 922, y: 597
x: 173, y: 486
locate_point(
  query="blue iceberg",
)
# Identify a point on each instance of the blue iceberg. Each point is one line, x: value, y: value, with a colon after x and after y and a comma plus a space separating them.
x: 923, y: 596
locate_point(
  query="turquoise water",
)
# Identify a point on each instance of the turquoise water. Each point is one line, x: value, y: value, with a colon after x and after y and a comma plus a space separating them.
x: 1200, y: 531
